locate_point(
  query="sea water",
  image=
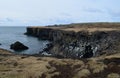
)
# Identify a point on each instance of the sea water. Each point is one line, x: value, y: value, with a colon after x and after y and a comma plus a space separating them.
x: 9, y: 35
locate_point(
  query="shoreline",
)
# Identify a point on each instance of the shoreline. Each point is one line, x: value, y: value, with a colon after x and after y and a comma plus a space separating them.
x: 5, y: 51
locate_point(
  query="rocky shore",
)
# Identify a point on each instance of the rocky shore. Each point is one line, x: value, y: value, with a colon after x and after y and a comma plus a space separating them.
x: 79, y: 40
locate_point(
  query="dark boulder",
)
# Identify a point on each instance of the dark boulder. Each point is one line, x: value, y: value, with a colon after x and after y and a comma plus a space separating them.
x: 0, y: 44
x: 18, y: 46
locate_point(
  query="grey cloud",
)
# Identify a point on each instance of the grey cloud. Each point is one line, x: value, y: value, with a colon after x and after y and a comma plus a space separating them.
x: 9, y: 19
x: 4, y: 20
x: 93, y: 10
x: 114, y: 14
x: 65, y: 14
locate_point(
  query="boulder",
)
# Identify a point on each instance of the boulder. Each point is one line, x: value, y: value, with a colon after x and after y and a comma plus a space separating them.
x: 0, y: 44
x: 18, y: 46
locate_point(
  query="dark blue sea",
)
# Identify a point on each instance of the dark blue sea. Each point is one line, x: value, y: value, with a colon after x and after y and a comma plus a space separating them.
x: 9, y: 35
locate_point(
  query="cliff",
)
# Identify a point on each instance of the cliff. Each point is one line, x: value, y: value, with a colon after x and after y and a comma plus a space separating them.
x: 79, y: 40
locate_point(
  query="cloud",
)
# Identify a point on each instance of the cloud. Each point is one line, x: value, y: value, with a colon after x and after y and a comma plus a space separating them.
x: 93, y: 10
x: 44, y: 12
x: 9, y: 20
x: 115, y: 14
x: 6, y: 20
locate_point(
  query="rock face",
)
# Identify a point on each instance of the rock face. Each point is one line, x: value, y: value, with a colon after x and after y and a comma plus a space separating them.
x: 82, y: 44
x: 18, y: 46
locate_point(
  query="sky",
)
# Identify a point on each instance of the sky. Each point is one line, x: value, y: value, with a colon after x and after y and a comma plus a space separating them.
x: 50, y: 12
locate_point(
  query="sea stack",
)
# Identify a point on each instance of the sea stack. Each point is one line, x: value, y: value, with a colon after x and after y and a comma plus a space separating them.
x: 18, y: 46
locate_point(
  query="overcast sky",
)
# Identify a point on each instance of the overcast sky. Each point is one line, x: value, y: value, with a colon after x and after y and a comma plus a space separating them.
x: 47, y: 12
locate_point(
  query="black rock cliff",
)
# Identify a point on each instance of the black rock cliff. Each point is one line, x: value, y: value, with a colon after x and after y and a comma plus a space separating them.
x: 82, y: 44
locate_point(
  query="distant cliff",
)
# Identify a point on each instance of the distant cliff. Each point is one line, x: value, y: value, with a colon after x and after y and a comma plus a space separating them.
x: 79, y: 40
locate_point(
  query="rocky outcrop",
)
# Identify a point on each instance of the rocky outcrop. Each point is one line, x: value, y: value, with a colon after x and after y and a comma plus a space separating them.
x: 18, y: 46
x: 82, y: 44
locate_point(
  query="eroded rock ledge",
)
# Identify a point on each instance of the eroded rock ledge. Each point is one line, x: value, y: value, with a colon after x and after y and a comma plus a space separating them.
x: 79, y: 40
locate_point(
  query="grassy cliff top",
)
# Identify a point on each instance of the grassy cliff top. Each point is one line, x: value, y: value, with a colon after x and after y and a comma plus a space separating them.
x: 91, y: 27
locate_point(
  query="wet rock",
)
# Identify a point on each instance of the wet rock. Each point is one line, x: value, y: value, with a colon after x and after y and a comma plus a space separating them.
x: 18, y: 46
x: 49, y: 46
x: 45, y: 51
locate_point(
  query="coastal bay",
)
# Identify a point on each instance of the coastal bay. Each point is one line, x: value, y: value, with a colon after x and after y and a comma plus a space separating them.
x: 64, y: 62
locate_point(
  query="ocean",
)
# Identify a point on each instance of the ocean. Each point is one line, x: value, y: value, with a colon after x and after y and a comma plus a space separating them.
x: 9, y: 35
